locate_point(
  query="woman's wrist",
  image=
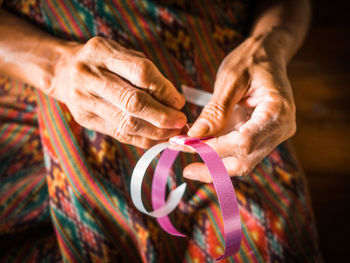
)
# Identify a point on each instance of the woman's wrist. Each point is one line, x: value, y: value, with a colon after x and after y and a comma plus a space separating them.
x: 281, y: 27
x: 59, y: 53
x: 273, y: 46
x: 35, y: 60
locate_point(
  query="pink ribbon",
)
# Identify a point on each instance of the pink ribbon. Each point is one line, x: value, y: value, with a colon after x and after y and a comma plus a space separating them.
x: 222, y: 184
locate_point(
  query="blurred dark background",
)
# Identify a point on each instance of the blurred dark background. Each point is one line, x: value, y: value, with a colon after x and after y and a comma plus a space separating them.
x: 320, y: 75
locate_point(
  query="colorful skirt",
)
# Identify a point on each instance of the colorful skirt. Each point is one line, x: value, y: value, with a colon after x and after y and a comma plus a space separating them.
x: 64, y: 189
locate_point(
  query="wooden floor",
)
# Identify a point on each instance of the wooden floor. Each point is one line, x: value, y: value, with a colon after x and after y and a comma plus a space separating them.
x: 320, y: 75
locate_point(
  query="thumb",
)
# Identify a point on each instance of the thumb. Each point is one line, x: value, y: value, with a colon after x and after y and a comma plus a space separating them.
x: 216, y: 114
x: 211, y: 120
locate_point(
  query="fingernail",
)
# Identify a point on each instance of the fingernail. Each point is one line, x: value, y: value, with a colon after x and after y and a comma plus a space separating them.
x: 199, y: 128
x: 189, y: 176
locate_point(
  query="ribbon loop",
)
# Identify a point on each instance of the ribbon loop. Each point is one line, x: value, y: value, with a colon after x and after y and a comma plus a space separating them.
x: 136, y: 185
x: 221, y: 180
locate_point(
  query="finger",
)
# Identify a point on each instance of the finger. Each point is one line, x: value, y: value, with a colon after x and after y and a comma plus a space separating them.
x: 242, y: 142
x: 269, y: 117
x: 243, y: 165
x: 226, y: 145
x: 133, y: 101
x: 235, y: 166
x: 125, y: 123
x: 135, y: 126
x: 139, y: 70
x: 138, y: 141
x: 93, y: 122
x: 197, y: 172
x: 272, y: 116
x: 229, y: 89
x: 144, y: 74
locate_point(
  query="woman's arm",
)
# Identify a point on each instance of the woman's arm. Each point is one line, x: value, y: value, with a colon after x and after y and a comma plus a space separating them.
x: 27, y: 53
x: 107, y: 87
x: 283, y: 25
x: 252, y: 109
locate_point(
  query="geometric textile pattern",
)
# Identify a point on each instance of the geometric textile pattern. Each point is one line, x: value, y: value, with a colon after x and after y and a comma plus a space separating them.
x: 64, y: 189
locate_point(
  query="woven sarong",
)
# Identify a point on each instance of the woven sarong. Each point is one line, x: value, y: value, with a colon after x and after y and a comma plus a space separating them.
x: 64, y: 190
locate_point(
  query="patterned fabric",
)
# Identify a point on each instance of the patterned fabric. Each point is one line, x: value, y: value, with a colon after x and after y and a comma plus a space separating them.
x: 64, y: 190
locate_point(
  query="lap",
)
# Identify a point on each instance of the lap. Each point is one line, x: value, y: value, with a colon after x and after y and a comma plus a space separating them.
x: 274, y: 205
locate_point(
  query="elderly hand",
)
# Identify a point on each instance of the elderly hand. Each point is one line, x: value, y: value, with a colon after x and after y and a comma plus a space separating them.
x: 118, y: 92
x: 251, y: 111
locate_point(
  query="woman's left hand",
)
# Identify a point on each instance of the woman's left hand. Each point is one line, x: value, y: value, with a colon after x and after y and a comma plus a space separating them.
x: 252, y: 109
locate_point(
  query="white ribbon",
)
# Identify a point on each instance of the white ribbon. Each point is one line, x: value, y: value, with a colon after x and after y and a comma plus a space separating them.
x: 198, y: 97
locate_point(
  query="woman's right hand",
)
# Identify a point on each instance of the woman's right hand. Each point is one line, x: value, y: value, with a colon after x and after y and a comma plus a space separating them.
x: 118, y: 92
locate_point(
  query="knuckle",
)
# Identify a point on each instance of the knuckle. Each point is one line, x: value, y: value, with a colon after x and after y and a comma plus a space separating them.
x: 246, y: 142
x: 130, y: 124
x: 245, y: 149
x: 82, y: 76
x: 95, y: 42
x: 232, y: 76
x: 116, y: 116
x: 140, y: 71
x: 93, y: 101
x: 75, y: 96
x: 225, y: 73
x: 133, y: 101
x: 146, y: 143
x: 78, y: 75
x: 137, y: 53
x: 283, y: 107
x: 162, y: 119
x: 282, y: 104
x: 160, y: 133
x: 268, y: 116
x: 78, y: 69
x: 215, y: 110
x: 283, y: 110
x: 115, y: 132
x: 245, y: 169
x: 273, y: 96
x: 159, y: 89
x: 80, y: 117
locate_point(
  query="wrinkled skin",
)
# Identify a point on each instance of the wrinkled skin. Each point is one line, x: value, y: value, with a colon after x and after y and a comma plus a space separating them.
x: 119, y: 92
x: 145, y: 108
x: 251, y: 112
